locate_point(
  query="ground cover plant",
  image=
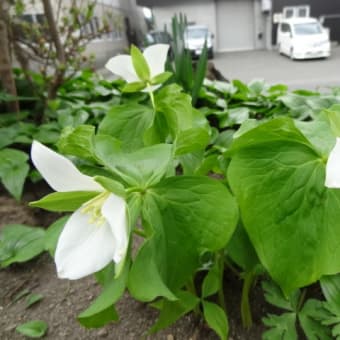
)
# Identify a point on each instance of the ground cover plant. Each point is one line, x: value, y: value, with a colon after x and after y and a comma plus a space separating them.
x: 245, y: 181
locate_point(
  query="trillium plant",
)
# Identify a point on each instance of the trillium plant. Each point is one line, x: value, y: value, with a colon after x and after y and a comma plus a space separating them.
x: 161, y: 210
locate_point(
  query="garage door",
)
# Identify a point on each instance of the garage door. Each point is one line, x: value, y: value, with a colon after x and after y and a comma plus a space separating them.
x: 235, y: 25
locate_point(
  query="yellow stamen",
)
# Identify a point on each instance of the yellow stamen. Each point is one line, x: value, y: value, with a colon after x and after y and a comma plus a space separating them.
x: 93, y: 208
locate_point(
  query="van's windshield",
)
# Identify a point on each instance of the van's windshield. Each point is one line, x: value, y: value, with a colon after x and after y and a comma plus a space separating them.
x: 307, y: 28
x: 196, y: 33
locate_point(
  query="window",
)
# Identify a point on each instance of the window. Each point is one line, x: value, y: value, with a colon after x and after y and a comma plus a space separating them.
x: 285, y: 28
x: 296, y: 11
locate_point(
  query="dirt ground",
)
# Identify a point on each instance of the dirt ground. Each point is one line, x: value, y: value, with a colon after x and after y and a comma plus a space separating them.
x: 64, y: 300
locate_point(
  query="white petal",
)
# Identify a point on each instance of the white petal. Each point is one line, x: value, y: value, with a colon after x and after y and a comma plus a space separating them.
x: 333, y: 167
x: 121, y: 65
x: 59, y: 172
x: 155, y: 56
x: 83, y: 248
x: 114, y: 211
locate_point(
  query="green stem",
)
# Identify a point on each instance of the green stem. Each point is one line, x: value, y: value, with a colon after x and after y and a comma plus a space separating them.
x: 246, y: 316
x: 152, y: 98
x: 192, y: 289
x: 140, y: 232
x: 301, y: 300
x: 221, y: 297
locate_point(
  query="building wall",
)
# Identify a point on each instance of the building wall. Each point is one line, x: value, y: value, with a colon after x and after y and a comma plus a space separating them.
x: 198, y: 12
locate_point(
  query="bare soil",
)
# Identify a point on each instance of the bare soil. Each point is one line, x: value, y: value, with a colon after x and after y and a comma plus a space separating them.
x: 64, y: 300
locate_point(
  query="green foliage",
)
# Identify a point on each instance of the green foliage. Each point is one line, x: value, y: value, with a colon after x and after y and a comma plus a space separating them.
x: 310, y: 314
x: 33, y: 329
x: 20, y: 243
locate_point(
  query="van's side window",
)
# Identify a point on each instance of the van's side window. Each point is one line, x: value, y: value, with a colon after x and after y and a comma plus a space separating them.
x: 285, y: 28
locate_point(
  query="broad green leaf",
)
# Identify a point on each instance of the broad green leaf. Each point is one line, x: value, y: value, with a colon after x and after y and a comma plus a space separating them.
x: 20, y: 243
x: 180, y: 208
x: 333, y: 114
x: 141, y: 168
x: 171, y: 311
x: 52, y: 234
x: 77, y: 141
x: 33, y: 329
x: 128, y: 123
x: 139, y: 63
x: 13, y: 170
x: 282, y: 327
x: 191, y: 140
x: 311, y: 317
x: 33, y: 299
x: 176, y: 108
x: 234, y: 116
x: 102, y: 310
x: 64, y: 201
x: 294, y: 223
x: 241, y: 250
x: 216, y: 319
x: 48, y: 133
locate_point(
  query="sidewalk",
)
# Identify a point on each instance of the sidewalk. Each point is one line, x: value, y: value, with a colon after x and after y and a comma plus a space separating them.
x: 274, y: 68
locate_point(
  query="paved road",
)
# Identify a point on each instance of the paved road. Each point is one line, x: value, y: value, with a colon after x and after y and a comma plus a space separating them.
x: 274, y: 68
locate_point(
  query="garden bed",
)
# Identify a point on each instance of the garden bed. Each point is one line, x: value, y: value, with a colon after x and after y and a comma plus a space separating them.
x: 64, y: 300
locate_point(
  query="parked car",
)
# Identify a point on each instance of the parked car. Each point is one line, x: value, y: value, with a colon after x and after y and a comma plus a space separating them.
x: 194, y: 38
x: 303, y: 38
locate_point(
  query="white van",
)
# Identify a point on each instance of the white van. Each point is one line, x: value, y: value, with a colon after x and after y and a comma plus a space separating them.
x: 194, y: 38
x: 303, y: 38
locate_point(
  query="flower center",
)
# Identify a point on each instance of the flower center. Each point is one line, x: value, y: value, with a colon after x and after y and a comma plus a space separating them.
x: 93, y: 208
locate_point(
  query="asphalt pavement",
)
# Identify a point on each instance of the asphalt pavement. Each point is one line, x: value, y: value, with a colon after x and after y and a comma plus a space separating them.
x: 315, y: 74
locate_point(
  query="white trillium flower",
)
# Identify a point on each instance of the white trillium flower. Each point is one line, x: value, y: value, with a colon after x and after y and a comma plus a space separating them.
x: 97, y: 232
x: 155, y: 56
x: 333, y: 167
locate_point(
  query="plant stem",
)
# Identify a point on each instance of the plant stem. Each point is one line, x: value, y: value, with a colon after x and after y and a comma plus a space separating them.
x: 221, y: 297
x: 192, y: 289
x: 152, y: 98
x: 246, y: 316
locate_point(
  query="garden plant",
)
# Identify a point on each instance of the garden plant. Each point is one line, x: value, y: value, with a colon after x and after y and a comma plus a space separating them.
x: 164, y: 198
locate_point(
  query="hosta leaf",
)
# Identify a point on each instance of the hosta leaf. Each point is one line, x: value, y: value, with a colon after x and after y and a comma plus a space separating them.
x: 291, y: 218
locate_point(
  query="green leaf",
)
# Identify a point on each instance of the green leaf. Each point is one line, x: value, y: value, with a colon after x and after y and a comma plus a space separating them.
x: 13, y: 170
x: 212, y: 282
x: 128, y: 123
x: 173, y: 310
x: 111, y: 185
x: 311, y: 317
x: 241, y: 250
x: 33, y: 329
x: 180, y: 208
x: 330, y: 286
x: 234, y: 116
x: 283, y: 327
x: 139, y: 63
x: 64, y: 201
x: 333, y: 114
x: 134, y: 87
x: 295, y: 223
x: 274, y: 296
x: 216, y: 318
x: 33, y: 299
x: 20, y: 243
x: 141, y: 168
x: 176, y: 108
x: 161, y: 78
x: 191, y: 140
x: 102, y: 309
x: 77, y: 141
x: 52, y: 234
